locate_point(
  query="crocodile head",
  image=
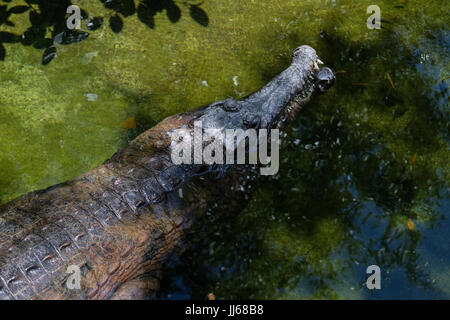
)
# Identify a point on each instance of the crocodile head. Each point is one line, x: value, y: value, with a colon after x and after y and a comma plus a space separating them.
x: 271, y: 107
x: 278, y: 101
x: 294, y: 88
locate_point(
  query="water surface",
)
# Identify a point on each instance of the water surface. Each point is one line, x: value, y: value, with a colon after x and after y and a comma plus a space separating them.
x: 364, y: 170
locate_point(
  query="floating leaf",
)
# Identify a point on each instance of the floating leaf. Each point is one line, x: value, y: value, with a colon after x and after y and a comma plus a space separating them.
x: 35, y: 18
x: 8, y: 37
x: 388, y: 76
x: 2, y: 52
x: 116, y: 23
x: 410, y: 224
x: 18, y: 9
x: 31, y: 35
x: 199, y: 15
x: 124, y: 7
x: 3, y: 14
x: 41, y: 43
x: 211, y: 296
x: 94, y: 23
x: 414, y: 158
x: 70, y: 36
x: 173, y: 12
x: 84, y: 14
x: 48, y: 55
x: 130, y: 123
x: 146, y: 15
x: 127, y: 8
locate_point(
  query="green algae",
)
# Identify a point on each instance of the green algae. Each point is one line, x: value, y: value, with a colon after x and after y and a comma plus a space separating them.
x: 346, y: 185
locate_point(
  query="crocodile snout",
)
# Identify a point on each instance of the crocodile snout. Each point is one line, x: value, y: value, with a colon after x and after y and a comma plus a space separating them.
x: 325, y: 79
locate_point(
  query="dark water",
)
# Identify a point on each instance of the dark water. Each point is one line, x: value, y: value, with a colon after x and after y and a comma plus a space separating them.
x: 364, y: 171
x: 363, y: 181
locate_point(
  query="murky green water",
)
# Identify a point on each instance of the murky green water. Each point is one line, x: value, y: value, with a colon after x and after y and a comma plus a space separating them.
x: 364, y: 171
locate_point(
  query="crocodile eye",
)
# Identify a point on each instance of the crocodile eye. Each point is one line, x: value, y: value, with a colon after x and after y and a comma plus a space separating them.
x: 296, y: 51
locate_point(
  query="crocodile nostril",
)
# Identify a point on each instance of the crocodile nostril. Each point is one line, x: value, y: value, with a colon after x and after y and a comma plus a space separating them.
x: 325, y: 79
x: 325, y: 74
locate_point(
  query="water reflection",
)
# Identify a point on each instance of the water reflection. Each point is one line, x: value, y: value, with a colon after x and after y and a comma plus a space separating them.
x: 348, y: 185
x: 147, y: 9
x: 48, y: 21
x: 361, y: 183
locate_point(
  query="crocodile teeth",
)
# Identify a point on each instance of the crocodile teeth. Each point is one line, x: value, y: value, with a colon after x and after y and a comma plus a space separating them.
x: 316, y: 66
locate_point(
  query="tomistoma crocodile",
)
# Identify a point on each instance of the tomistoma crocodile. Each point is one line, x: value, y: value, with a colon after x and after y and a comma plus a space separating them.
x: 118, y: 223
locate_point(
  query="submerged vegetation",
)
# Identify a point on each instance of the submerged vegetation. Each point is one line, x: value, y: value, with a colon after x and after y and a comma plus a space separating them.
x: 364, y: 170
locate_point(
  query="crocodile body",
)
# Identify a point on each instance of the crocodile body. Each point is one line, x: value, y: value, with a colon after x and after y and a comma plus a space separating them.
x: 120, y: 222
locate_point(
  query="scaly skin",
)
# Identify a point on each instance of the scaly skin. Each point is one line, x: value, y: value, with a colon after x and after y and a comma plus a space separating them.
x: 122, y: 220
